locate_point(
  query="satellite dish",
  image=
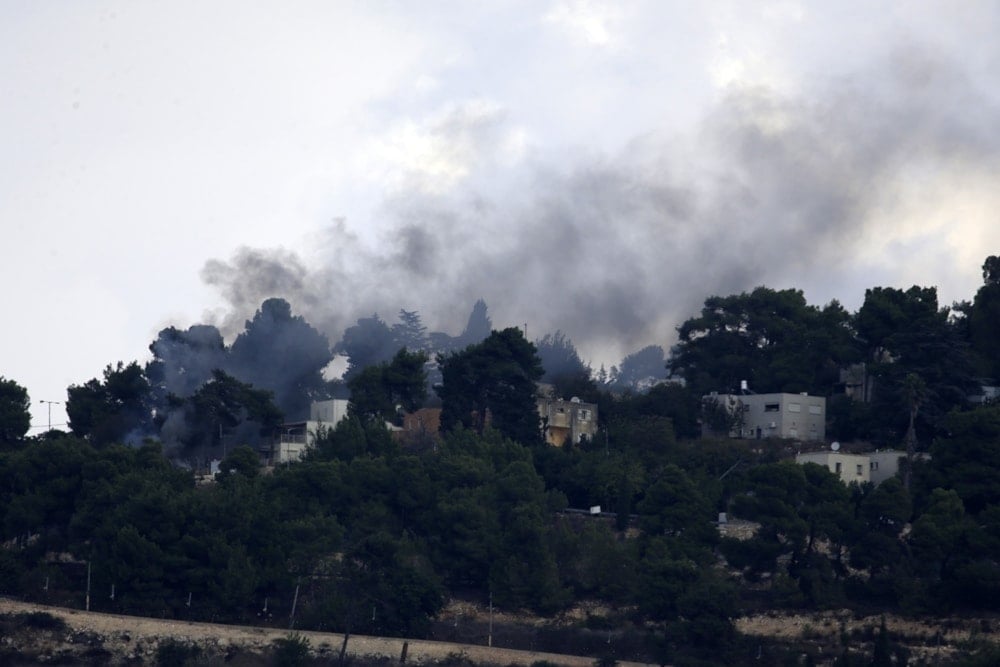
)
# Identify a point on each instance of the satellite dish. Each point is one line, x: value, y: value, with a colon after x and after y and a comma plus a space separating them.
x: 835, y: 446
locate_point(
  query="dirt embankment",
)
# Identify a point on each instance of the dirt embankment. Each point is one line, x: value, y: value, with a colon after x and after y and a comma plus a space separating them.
x: 928, y: 639
x: 135, y: 639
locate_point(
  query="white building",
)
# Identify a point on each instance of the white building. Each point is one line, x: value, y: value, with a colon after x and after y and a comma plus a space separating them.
x: 797, y: 416
x: 294, y: 438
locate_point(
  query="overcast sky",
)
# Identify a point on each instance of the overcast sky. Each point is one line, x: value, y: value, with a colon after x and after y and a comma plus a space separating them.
x: 598, y: 168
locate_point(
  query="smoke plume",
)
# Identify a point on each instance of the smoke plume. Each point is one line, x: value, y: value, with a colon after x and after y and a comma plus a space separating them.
x: 618, y: 250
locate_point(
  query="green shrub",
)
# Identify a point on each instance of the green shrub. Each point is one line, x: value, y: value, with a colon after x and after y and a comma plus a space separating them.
x: 40, y: 620
x: 291, y: 651
x: 174, y: 653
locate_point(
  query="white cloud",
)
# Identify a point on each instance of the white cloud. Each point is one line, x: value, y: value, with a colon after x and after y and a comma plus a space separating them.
x: 436, y: 153
x: 595, y: 23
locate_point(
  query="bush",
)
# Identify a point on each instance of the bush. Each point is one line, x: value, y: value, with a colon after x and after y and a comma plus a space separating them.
x: 291, y: 651
x: 174, y: 653
x: 40, y: 620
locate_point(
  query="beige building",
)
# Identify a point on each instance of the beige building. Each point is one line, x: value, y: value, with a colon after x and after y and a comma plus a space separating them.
x: 848, y: 467
x: 796, y: 416
x: 565, y: 421
x: 874, y: 467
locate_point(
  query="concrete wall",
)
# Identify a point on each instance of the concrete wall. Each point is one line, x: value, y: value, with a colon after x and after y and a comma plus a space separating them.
x: 330, y: 412
x: 567, y: 421
x: 850, y: 468
x: 884, y: 464
x: 796, y: 416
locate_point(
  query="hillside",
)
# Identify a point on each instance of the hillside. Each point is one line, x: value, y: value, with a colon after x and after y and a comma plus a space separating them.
x: 115, y: 639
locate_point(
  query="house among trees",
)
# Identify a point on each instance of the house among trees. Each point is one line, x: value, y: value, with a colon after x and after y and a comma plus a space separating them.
x: 565, y: 421
x: 294, y: 438
x: 874, y: 467
x: 756, y: 416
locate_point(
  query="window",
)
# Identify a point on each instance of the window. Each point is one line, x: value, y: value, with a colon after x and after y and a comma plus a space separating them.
x: 771, y: 407
x: 861, y: 469
x: 794, y: 407
x: 838, y: 467
x: 584, y: 415
x: 874, y: 465
x: 815, y: 410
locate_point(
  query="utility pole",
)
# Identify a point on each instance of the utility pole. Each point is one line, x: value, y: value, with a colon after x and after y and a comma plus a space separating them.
x: 295, y: 601
x: 50, y: 404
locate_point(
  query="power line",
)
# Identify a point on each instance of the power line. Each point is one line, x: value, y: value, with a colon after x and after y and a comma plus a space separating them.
x: 46, y: 426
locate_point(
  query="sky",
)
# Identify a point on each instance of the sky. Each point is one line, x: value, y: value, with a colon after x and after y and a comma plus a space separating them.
x: 595, y: 168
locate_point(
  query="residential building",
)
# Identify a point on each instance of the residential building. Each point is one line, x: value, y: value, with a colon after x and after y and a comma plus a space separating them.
x: 883, y: 464
x: 798, y: 416
x: 988, y: 393
x: 565, y: 421
x: 294, y: 438
x: 874, y: 467
x: 858, y: 383
x: 850, y: 468
x: 425, y: 421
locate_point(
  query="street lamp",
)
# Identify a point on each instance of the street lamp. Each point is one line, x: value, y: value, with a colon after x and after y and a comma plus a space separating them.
x: 50, y: 404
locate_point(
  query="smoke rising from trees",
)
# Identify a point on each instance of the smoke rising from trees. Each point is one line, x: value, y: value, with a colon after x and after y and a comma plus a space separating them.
x: 620, y: 249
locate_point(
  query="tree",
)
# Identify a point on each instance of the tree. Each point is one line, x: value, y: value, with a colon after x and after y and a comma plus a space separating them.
x: 283, y: 354
x: 884, y: 512
x: 184, y: 360
x: 639, y: 368
x: 409, y: 332
x: 115, y: 410
x: 938, y: 534
x: 370, y: 341
x: 15, y: 411
x: 241, y: 460
x: 771, y: 338
x: 670, y: 400
x: 477, y: 328
x: 914, y: 394
x: 493, y: 382
x: 904, y: 332
x: 379, y: 391
x: 224, y: 407
x: 967, y: 459
x: 559, y: 357
x: 674, y: 507
x: 984, y: 320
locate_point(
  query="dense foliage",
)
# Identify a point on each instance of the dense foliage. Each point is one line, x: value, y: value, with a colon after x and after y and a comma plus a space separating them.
x: 371, y: 535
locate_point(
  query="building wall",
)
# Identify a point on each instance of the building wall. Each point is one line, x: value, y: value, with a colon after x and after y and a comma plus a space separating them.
x: 424, y: 420
x: 294, y: 438
x: 850, y: 468
x: 884, y: 464
x: 330, y: 411
x: 567, y: 421
x: 797, y: 416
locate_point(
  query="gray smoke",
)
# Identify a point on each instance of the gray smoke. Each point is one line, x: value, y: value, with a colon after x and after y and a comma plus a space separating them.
x: 616, y: 252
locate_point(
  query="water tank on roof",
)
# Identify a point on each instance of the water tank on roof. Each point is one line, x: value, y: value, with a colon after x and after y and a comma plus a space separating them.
x: 575, y: 399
